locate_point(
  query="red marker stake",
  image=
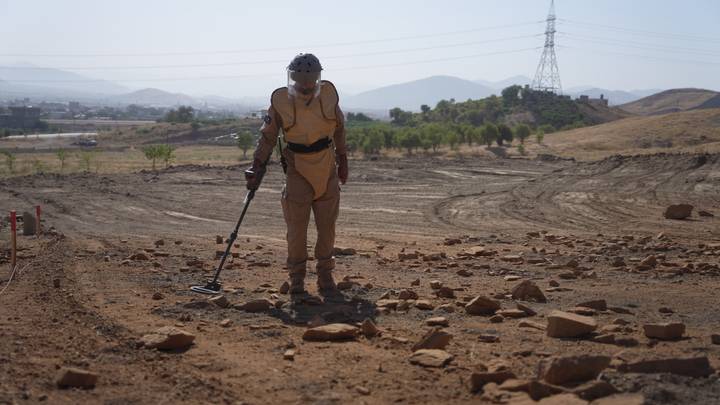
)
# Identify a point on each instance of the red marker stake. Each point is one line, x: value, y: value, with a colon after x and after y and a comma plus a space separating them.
x: 13, y: 238
x: 37, y: 221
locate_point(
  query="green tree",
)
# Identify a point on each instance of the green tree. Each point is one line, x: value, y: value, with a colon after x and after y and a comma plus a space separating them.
x: 86, y: 158
x: 510, y: 95
x: 9, y: 160
x: 167, y: 154
x: 245, y: 141
x: 62, y: 156
x: 154, y: 153
x: 540, y: 136
x: 522, y: 131
x: 521, y: 149
x: 489, y: 134
x: 505, y: 134
x: 400, y: 117
x: 452, y: 139
x: 409, y: 139
x: 373, y: 142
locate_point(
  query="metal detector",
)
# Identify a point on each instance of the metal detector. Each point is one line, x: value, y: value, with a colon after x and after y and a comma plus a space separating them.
x: 214, y: 286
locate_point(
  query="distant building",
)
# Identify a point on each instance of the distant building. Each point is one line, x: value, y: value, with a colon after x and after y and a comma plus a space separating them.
x: 25, y: 117
x: 602, y: 101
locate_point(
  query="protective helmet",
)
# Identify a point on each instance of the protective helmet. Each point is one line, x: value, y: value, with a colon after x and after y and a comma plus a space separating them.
x: 304, y: 75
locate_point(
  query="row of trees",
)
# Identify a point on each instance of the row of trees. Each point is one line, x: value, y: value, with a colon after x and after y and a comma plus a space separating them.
x: 85, y: 160
x: 370, y: 139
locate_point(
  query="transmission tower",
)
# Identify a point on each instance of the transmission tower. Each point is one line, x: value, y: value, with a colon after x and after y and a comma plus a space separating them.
x: 547, y: 76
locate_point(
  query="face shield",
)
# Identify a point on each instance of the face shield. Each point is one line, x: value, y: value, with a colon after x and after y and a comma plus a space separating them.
x: 303, y: 84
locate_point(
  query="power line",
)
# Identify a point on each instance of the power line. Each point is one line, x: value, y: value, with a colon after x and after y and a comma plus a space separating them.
x: 261, y: 62
x: 697, y: 62
x: 418, y: 62
x: 688, y: 37
x: 640, y: 45
x: 293, y: 48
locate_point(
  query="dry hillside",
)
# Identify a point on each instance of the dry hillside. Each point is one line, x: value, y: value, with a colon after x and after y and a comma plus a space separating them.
x: 674, y: 101
x: 689, y: 131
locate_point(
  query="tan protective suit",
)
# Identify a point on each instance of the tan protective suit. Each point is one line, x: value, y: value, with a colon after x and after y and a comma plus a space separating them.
x: 312, y: 182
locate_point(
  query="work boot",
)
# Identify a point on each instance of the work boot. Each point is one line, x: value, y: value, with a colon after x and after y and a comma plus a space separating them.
x: 326, y: 283
x: 297, y: 283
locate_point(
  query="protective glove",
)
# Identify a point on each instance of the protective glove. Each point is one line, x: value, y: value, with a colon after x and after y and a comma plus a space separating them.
x: 254, y: 175
x: 342, y: 168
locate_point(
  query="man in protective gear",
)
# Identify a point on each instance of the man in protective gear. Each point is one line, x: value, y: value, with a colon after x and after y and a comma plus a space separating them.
x: 315, y: 154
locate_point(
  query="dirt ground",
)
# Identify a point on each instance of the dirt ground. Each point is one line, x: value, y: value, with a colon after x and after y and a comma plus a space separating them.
x: 478, y: 226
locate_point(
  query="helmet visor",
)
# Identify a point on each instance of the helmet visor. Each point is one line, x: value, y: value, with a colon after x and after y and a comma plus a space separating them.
x: 303, y: 83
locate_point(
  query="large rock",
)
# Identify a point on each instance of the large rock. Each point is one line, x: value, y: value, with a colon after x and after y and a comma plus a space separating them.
x: 430, y: 358
x: 561, y: 370
x: 331, y: 332
x: 566, y: 325
x: 594, y: 389
x: 76, y: 378
x: 598, y: 305
x: 168, y: 338
x: 678, y: 211
x: 481, y: 305
x: 688, y: 366
x: 664, y: 331
x: 435, y: 338
x: 528, y: 291
x: 220, y: 300
x: 369, y: 329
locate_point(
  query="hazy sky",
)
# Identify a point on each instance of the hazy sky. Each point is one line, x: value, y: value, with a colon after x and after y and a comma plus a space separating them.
x: 616, y: 44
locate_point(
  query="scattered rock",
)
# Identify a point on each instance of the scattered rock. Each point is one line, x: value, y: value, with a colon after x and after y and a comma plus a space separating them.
x: 415, y: 282
x: 220, y: 300
x: 527, y: 290
x: 664, y: 331
x: 464, y: 273
x: 513, y: 259
x: 594, y: 390
x: 704, y: 213
x: 362, y: 390
x: 678, y: 211
x: 529, y: 311
x: 434, y: 284
x: 69, y: 377
x: 331, y: 332
x: 289, y: 355
x: 218, y: 239
x: 532, y: 325
x: 435, y: 338
x: 621, y: 399
x: 226, y: 323
x: 563, y: 399
x: 496, y: 319
x: 479, y: 378
x: 687, y: 366
x: 437, y: 321
x: 561, y: 370
x: 665, y: 310
x: 540, y: 389
x: 168, y: 338
x: 566, y: 325
x: 512, y: 313
x: 553, y: 283
x: 408, y: 295
x: 139, y: 256
x: 481, y: 305
x: 157, y: 296
x: 582, y: 311
x: 431, y: 358
x: 369, y: 329
x: 445, y: 292
x: 598, y: 305
x: 258, y: 305
x: 387, y: 303
x: 715, y: 338
x: 424, y: 305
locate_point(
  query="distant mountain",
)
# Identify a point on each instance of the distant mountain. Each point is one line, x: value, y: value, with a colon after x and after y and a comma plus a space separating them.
x: 499, y: 85
x: 154, y: 97
x: 37, y: 79
x: 673, y: 101
x: 411, y: 95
